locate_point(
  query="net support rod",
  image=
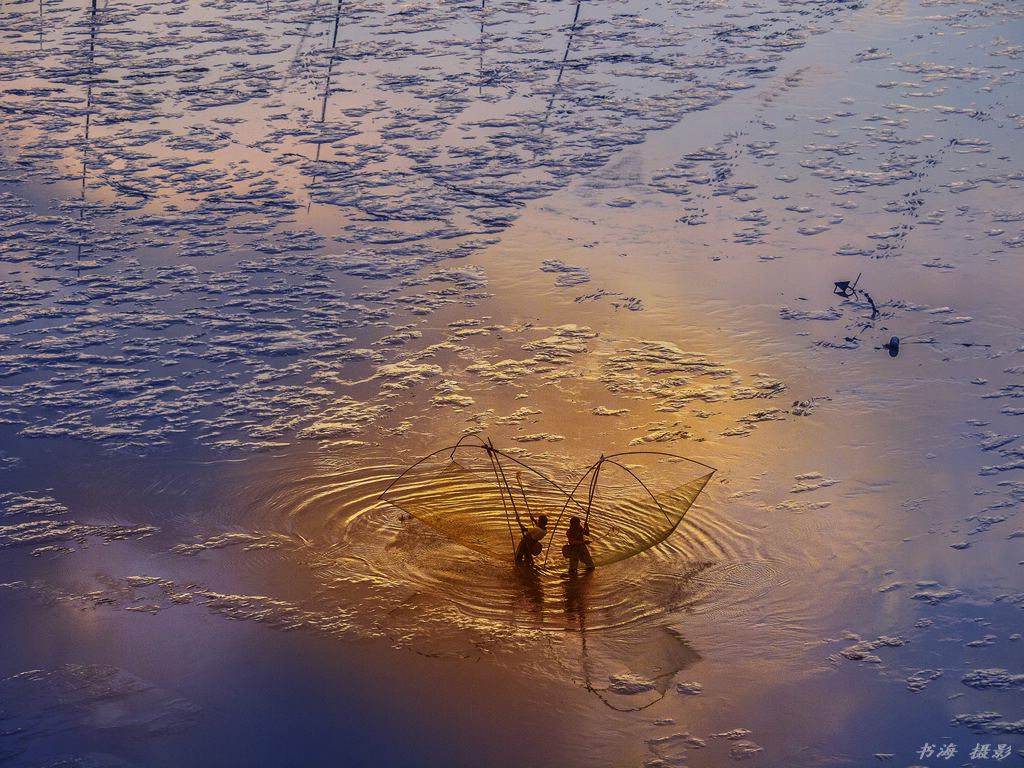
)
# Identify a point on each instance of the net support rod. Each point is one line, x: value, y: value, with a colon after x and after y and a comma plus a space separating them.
x: 571, y: 498
x: 466, y: 437
x: 541, y: 475
x: 660, y: 453
x: 592, y: 490
x: 508, y: 490
x: 413, y: 466
x: 497, y: 479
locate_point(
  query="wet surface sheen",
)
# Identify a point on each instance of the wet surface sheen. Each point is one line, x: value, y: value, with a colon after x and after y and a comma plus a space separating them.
x: 258, y: 257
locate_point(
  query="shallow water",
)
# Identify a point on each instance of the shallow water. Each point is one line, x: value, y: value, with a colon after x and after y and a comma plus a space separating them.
x: 258, y: 257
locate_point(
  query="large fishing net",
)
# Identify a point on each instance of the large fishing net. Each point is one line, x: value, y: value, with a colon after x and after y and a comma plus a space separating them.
x: 482, y: 498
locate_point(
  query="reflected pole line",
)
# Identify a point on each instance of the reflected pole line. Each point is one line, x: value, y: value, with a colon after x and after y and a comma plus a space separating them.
x: 88, y: 93
x: 480, y: 75
x: 561, y: 71
x: 303, y: 36
x: 561, y: 67
x: 88, y: 120
x: 330, y: 63
x: 327, y: 93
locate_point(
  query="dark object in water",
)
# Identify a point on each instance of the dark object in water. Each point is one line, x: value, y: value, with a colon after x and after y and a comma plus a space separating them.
x: 845, y: 289
x: 893, y: 346
x: 874, y: 309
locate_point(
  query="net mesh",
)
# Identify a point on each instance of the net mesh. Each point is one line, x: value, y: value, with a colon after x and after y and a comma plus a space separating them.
x: 626, y: 520
x: 480, y: 498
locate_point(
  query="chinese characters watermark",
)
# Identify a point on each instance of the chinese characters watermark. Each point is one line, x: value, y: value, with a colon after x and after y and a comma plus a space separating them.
x: 979, y: 752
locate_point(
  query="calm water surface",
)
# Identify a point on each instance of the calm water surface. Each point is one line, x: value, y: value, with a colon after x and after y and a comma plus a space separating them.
x: 257, y: 257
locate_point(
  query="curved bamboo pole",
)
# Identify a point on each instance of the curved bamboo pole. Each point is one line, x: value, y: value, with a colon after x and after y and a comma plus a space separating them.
x: 539, y: 474
x: 592, y: 490
x: 467, y: 437
x: 508, y: 488
x: 451, y: 448
x: 411, y: 467
x: 661, y: 453
x: 497, y: 478
x: 571, y: 498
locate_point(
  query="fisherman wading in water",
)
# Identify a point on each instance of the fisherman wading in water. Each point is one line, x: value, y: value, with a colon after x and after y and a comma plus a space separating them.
x: 529, y: 545
x: 576, y: 550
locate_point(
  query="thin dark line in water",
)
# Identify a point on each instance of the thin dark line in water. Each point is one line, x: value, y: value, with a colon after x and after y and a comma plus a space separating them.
x: 327, y: 93
x: 480, y: 72
x: 330, y: 63
x: 88, y: 122
x: 598, y: 691
x: 588, y: 682
x: 561, y: 67
x: 88, y: 94
x: 497, y: 478
x: 303, y: 36
x: 933, y: 340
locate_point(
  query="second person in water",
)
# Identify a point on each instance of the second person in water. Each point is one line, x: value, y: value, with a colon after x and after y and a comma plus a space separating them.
x: 529, y: 544
x: 576, y: 550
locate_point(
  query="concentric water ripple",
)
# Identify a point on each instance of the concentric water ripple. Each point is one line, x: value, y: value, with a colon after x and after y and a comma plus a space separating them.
x: 425, y: 591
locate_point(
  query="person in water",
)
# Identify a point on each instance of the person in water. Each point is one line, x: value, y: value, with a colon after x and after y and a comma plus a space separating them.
x: 529, y: 545
x: 576, y: 550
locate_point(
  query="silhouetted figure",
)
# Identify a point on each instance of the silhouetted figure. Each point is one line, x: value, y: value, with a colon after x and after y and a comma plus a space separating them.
x: 576, y: 550
x: 529, y: 545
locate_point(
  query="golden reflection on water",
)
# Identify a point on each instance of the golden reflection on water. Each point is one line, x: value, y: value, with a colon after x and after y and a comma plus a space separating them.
x: 712, y: 332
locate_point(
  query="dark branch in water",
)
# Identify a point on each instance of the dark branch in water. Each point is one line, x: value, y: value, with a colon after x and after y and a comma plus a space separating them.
x: 874, y: 309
